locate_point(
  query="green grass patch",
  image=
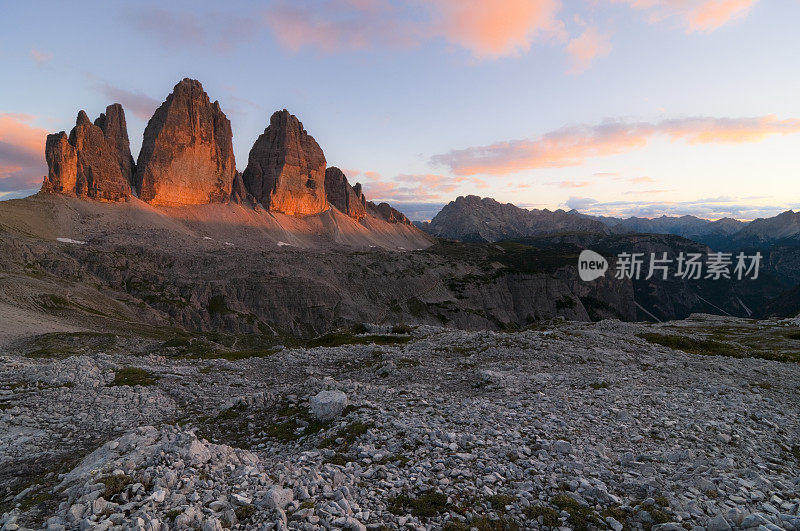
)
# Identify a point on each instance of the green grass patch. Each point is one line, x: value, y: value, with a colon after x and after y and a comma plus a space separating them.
x: 425, y: 505
x: 702, y: 347
x: 58, y: 303
x: 359, y: 328
x: 580, y: 517
x: 484, y: 523
x: 660, y: 517
x: 349, y: 434
x: 499, y: 501
x: 599, y: 385
x: 550, y: 516
x: 60, y: 345
x: 244, y: 512
x: 36, y: 499
x: 338, y: 339
x: 133, y: 376
x: 617, y: 513
x: 338, y: 459
x: 238, y: 354
x: 114, y: 484
x: 402, y: 329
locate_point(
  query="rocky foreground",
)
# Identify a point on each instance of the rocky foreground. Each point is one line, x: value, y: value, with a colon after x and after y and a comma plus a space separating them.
x: 572, y: 425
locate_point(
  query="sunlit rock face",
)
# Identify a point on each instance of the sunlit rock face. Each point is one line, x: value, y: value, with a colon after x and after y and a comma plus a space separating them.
x: 286, y: 168
x: 187, y: 152
x: 348, y: 199
x: 94, y: 161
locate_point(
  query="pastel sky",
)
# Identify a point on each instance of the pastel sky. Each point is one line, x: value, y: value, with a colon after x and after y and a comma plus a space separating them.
x: 616, y: 107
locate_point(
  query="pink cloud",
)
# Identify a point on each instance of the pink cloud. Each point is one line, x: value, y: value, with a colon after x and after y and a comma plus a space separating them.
x: 638, y: 180
x: 498, y: 28
x: 712, y: 14
x: 351, y: 174
x: 585, y: 48
x: 573, y: 184
x: 415, y: 187
x: 486, y: 29
x: 571, y: 146
x: 41, y: 57
x: 695, y: 15
x: 22, y: 164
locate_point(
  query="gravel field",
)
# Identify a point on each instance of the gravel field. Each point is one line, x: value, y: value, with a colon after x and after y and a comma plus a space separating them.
x: 569, y: 425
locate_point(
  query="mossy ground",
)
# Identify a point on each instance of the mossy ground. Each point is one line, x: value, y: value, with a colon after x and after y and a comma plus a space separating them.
x: 424, y: 505
x: 550, y: 516
x: 740, y: 339
x: 133, y: 376
x: 59, y: 345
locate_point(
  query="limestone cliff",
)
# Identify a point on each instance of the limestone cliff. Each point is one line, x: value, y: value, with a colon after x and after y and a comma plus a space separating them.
x: 286, y: 168
x: 348, y: 199
x: 187, y: 152
x: 94, y: 161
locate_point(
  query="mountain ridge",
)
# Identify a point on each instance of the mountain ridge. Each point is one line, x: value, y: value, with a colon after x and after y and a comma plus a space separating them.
x: 472, y: 218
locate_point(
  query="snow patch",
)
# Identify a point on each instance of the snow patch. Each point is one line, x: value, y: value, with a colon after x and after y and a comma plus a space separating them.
x: 70, y: 240
x: 281, y: 244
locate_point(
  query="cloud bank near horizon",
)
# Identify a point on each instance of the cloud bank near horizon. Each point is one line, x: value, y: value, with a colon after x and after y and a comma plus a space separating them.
x: 573, y: 145
x: 22, y: 164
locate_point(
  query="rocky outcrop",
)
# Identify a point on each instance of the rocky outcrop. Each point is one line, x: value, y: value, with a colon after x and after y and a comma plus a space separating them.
x: 348, y: 199
x: 286, y: 168
x: 387, y: 213
x: 94, y: 161
x: 187, y: 152
x: 239, y: 193
x: 112, y: 123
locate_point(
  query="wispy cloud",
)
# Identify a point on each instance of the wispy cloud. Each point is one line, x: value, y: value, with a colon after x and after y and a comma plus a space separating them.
x: 572, y: 184
x: 585, y: 48
x: 709, y: 208
x: 40, y: 56
x: 340, y: 25
x: 141, y: 105
x: 486, y: 29
x: 184, y: 29
x: 572, y: 145
x: 694, y: 15
x: 410, y: 187
x: 712, y: 14
x: 22, y: 164
x: 648, y: 192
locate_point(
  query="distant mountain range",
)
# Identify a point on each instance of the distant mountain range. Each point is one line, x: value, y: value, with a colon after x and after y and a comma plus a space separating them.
x: 474, y: 219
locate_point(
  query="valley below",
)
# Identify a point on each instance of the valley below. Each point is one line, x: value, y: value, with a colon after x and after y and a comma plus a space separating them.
x: 219, y: 366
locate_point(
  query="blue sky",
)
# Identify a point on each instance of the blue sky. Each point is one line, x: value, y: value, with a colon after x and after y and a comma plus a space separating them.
x: 611, y: 106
